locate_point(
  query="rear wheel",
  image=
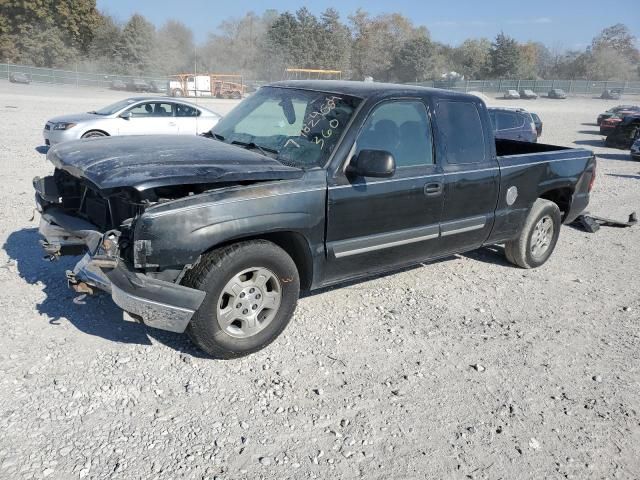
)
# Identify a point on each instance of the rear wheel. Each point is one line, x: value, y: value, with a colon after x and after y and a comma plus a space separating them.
x: 94, y: 134
x: 177, y: 92
x: 538, y: 237
x: 252, y: 289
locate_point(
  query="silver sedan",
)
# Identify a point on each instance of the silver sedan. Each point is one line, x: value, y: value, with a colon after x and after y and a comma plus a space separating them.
x: 133, y: 116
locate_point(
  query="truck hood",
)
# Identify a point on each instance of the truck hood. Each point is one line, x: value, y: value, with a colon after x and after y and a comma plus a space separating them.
x: 144, y: 162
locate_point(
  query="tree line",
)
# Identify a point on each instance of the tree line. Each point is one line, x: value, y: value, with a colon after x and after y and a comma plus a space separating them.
x: 387, y: 47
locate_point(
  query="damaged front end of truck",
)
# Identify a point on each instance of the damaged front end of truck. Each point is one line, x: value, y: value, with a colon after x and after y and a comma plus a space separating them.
x: 83, y: 221
x: 94, y: 204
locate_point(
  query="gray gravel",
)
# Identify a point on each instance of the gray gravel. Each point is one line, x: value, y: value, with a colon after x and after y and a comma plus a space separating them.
x: 464, y: 368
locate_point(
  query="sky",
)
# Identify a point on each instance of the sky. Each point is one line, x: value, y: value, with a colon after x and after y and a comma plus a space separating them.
x: 559, y: 24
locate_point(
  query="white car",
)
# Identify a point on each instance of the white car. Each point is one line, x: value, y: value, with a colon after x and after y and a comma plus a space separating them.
x: 512, y: 94
x: 133, y: 116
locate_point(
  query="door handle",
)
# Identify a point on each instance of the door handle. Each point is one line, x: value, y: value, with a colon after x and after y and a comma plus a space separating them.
x: 172, y: 124
x: 433, y: 189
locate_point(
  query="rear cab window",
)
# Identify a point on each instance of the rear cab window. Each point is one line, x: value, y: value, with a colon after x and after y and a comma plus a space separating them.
x: 461, y: 132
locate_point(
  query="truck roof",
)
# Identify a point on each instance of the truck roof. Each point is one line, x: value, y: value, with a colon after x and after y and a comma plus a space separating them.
x: 370, y: 89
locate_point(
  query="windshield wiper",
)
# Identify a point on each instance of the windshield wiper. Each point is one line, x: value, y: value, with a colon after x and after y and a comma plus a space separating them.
x: 217, y: 136
x: 263, y: 150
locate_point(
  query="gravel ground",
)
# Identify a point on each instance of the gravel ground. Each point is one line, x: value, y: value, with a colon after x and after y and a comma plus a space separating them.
x: 463, y: 368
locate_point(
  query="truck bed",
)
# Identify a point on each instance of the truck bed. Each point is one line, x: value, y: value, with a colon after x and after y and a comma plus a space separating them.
x: 506, y: 148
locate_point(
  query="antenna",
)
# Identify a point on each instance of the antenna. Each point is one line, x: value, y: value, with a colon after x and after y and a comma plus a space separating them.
x: 195, y: 71
x: 195, y: 78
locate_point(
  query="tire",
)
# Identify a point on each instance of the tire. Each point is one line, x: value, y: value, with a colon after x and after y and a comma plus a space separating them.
x: 94, y: 134
x: 220, y: 269
x: 535, y: 244
x: 177, y: 92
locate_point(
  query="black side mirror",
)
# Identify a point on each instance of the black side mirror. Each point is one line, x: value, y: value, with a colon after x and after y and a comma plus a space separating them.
x: 372, y: 163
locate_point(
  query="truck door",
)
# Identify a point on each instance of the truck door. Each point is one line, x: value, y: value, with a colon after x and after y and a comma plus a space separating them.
x: 377, y: 223
x: 471, y: 175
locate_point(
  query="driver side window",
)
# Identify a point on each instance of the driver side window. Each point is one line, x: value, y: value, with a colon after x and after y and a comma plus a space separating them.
x: 401, y: 128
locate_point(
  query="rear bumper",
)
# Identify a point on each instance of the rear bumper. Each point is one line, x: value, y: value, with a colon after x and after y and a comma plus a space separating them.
x: 578, y: 205
x: 159, y: 304
x: 606, y: 130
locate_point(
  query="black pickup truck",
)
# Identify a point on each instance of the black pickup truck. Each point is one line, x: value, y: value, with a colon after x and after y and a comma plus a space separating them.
x: 303, y: 185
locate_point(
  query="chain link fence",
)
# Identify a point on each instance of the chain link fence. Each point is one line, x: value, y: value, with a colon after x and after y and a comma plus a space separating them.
x: 541, y: 87
x: 497, y: 87
x: 71, y: 77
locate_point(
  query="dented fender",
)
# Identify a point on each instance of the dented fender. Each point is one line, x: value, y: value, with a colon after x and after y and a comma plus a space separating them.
x: 176, y: 233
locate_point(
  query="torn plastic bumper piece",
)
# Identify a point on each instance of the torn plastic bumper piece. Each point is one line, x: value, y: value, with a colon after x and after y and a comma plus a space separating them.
x: 67, y: 235
x: 592, y: 223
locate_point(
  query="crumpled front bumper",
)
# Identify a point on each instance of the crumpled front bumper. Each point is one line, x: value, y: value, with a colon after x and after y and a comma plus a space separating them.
x: 158, y: 303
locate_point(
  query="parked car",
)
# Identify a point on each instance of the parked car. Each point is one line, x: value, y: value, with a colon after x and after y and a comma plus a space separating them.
x: 513, y: 124
x: 624, y: 109
x: 610, y: 94
x: 137, y: 85
x: 625, y: 133
x: 557, y: 93
x: 157, y: 87
x: 118, y: 85
x: 528, y: 94
x: 635, y: 150
x: 19, y: 77
x: 537, y: 122
x: 132, y: 116
x: 511, y: 94
x: 300, y: 190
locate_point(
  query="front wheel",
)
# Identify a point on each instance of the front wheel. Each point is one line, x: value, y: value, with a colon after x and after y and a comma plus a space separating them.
x: 538, y: 237
x: 251, y: 293
x: 176, y: 92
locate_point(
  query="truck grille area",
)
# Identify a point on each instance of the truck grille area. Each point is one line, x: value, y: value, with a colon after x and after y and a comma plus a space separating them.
x: 106, y: 211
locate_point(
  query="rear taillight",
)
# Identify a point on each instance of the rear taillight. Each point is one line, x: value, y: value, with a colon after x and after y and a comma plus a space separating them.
x: 593, y: 179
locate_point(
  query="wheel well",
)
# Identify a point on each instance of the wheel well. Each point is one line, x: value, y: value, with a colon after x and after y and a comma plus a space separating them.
x: 95, y: 130
x: 561, y: 197
x: 291, y: 242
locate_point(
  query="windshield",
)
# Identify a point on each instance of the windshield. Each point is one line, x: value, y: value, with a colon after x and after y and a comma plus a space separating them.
x: 114, y: 107
x: 299, y: 128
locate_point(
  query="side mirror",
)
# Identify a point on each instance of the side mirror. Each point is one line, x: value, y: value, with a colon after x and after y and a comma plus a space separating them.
x: 372, y: 163
x: 125, y: 115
